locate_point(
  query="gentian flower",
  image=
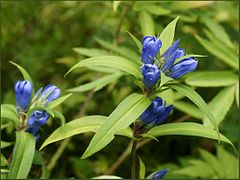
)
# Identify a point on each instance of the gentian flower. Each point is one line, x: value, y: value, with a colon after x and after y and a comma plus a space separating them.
x: 151, y: 74
x: 49, y: 93
x: 154, y: 115
x: 181, y: 68
x: 150, y: 48
x: 23, y: 90
x: 36, y: 119
x: 158, y: 175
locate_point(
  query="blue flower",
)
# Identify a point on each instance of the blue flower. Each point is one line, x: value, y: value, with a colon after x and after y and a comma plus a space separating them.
x: 49, y: 93
x: 158, y: 175
x: 36, y: 119
x: 182, y: 67
x: 23, y: 90
x: 150, y: 48
x: 156, y: 113
x: 179, y: 69
x: 151, y: 75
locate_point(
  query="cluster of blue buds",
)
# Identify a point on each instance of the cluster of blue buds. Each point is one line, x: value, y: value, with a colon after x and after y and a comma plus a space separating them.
x: 151, y: 71
x: 154, y: 115
x: 24, y: 101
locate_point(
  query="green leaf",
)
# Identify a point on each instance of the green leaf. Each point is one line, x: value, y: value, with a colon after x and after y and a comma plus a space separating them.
x: 58, y: 101
x: 25, y: 74
x: 123, y: 51
x: 167, y: 35
x: 126, y: 113
x: 188, y: 108
x: 189, y: 56
x: 96, y: 84
x: 22, y: 156
x: 115, y: 5
x: 147, y: 24
x: 150, y: 8
x: 138, y: 43
x: 115, y: 62
x: 59, y: 116
x: 229, y: 162
x: 183, y: 6
x: 142, y: 169
x: 237, y: 93
x: 4, y: 161
x: 213, y: 162
x: 167, y: 96
x: 79, y: 126
x: 90, y: 52
x: 221, y: 104
x: 5, y: 144
x: 211, y: 78
x: 187, y: 129
x: 8, y: 111
x: 196, y: 99
x: 211, y: 47
x: 218, y: 31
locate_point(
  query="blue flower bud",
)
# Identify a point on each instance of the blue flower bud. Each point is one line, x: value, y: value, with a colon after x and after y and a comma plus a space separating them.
x: 37, y: 118
x: 158, y: 175
x: 182, y: 67
x: 151, y: 75
x: 150, y: 48
x: 171, y: 49
x: 50, y: 93
x: 23, y: 90
x: 33, y: 130
x: 156, y: 113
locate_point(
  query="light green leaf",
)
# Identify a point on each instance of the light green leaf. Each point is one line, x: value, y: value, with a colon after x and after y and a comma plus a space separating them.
x: 221, y: 104
x: 189, y: 56
x: 5, y: 144
x: 211, y: 78
x: 58, y: 101
x: 211, y: 47
x: 183, y: 6
x: 142, y: 169
x: 167, y: 96
x: 96, y: 84
x: 167, y: 35
x: 196, y: 99
x: 25, y: 74
x: 60, y: 116
x: 150, y: 8
x: 126, y: 113
x: 138, y: 43
x: 123, y: 51
x: 187, y: 129
x: 237, y: 93
x: 229, y: 162
x: 147, y: 24
x: 22, y: 156
x: 79, y: 126
x: 188, y: 108
x: 8, y: 111
x: 217, y: 30
x: 90, y: 52
x: 115, y: 5
x: 115, y: 62
x: 4, y: 161
x: 213, y: 162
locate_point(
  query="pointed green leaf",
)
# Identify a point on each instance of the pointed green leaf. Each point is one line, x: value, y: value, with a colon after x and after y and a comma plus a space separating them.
x: 96, y: 84
x: 22, y: 156
x: 187, y: 129
x: 8, y: 111
x: 58, y: 101
x: 221, y: 104
x: 79, y: 126
x: 138, y: 43
x: 211, y: 78
x: 115, y: 62
x: 196, y: 99
x: 142, y: 169
x: 147, y: 24
x: 126, y: 113
x: 90, y: 52
x: 25, y: 74
x: 167, y: 35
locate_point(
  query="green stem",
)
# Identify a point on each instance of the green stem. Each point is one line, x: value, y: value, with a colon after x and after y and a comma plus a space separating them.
x: 133, y: 154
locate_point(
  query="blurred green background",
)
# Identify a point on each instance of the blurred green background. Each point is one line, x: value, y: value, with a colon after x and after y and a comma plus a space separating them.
x: 40, y: 36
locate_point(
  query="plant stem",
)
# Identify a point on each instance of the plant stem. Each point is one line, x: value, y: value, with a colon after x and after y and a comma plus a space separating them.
x: 133, y: 159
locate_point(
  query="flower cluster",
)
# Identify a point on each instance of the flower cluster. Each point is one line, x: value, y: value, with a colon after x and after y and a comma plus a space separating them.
x: 25, y: 102
x: 151, y: 70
